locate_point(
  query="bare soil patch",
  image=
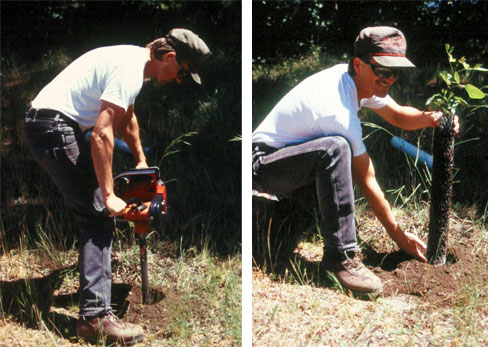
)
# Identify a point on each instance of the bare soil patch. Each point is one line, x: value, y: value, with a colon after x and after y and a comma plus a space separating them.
x: 401, y: 274
x: 438, y: 285
x: 154, y: 316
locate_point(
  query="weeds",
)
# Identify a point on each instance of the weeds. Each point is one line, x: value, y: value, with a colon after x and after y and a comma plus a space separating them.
x: 209, y: 299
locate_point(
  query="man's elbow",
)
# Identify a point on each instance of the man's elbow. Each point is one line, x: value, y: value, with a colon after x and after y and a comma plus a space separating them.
x: 399, y: 121
x: 101, y: 137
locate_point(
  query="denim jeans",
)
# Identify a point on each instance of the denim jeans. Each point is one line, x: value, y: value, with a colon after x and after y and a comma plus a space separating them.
x: 57, y: 145
x: 325, y: 161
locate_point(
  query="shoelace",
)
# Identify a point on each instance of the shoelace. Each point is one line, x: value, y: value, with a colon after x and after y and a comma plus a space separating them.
x: 352, y: 263
x: 115, y: 320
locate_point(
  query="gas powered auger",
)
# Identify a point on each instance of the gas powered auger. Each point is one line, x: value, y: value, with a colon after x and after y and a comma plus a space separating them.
x: 145, y: 195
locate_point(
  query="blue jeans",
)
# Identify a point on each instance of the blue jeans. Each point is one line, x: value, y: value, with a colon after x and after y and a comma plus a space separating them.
x: 325, y: 161
x: 57, y: 145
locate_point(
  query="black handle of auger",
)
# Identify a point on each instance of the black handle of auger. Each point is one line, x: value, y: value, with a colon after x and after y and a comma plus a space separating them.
x: 133, y: 201
x: 130, y: 201
x: 144, y: 272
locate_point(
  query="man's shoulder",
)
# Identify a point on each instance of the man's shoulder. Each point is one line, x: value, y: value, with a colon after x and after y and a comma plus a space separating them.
x: 335, y: 72
x: 117, y: 53
x: 117, y: 48
x: 326, y: 79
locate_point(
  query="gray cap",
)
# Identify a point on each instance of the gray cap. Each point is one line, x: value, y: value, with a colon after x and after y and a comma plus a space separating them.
x: 189, y: 48
x: 385, y: 45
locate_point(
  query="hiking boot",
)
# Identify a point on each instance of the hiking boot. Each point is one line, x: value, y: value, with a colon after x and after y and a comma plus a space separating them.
x: 109, y: 328
x: 351, y: 273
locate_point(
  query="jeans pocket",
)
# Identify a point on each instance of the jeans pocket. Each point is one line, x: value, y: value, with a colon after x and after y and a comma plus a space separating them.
x: 72, y: 151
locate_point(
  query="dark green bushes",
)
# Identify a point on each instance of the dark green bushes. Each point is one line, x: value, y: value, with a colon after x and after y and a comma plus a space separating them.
x: 203, y: 166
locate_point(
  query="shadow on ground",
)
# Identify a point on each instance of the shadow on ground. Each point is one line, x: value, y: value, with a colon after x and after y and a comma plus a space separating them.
x: 29, y: 301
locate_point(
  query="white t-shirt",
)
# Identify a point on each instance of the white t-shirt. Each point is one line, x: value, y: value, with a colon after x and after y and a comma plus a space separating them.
x: 324, y: 104
x: 114, y: 74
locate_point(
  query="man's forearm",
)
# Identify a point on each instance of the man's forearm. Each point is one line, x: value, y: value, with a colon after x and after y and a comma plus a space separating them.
x: 380, y: 206
x: 365, y: 178
x: 102, y: 146
x: 131, y: 136
x: 407, y: 117
x: 410, y: 118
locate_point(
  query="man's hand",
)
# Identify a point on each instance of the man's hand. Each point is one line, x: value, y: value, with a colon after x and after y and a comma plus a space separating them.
x: 436, y: 119
x: 141, y: 165
x: 115, y: 205
x: 410, y: 243
x: 411, y: 118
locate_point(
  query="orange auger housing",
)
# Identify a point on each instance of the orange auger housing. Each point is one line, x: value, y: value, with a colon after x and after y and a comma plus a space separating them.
x: 145, y: 195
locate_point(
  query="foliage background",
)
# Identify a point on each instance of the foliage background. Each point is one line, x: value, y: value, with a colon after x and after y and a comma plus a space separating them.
x: 294, y: 39
x: 203, y: 173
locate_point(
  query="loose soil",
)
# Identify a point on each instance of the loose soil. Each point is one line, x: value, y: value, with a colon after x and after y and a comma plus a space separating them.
x: 402, y: 274
x: 153, y: 316
x: 438, y: 285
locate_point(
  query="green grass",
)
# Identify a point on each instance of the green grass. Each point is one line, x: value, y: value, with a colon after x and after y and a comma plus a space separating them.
x: 208, y: 305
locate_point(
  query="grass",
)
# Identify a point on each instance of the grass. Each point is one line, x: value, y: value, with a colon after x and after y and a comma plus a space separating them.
x: 202, y: 291
x: 297, y: 308
x: 207, y: 306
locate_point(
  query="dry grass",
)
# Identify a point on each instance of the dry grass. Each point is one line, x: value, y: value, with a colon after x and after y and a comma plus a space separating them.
x: 295, y: 310
x: 200, y: 305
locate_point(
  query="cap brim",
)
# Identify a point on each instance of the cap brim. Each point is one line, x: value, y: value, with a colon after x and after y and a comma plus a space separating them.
x: 390, y: 61
x: 196, y: 77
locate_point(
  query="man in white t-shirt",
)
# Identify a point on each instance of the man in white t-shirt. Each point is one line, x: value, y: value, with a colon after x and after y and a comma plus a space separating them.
x: 314, y: 135
x: 97, y: 91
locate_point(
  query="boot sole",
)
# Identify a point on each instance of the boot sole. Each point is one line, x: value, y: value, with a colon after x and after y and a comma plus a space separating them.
x: 372, y: 296
x: 94, y: 340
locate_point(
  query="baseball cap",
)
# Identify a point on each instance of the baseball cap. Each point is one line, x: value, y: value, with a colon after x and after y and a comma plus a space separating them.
x: 385, y: 45
x: 190, y: 48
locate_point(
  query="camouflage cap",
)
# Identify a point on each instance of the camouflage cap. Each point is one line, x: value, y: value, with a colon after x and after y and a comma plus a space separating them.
x: 385, y: 45
x: 189, y: 48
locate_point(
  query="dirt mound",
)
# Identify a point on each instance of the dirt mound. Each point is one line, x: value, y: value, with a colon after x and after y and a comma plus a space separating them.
x: 465, y: 271
x: 440, y: 285
x: 127, y: 301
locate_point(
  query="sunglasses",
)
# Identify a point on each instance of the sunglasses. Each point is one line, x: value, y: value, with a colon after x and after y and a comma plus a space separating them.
x: 383, y: 72
x: 182, y: 73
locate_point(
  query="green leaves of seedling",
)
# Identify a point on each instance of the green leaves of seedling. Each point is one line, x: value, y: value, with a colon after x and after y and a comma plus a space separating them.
x: 456, y: 80
x: 474, y: 92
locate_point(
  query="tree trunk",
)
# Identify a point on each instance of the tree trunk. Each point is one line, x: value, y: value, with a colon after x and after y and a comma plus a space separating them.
x: 441, y: 191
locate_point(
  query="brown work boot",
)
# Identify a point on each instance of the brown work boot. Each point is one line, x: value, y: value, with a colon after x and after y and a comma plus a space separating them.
x: 110, y: 329
x: 352, y: 274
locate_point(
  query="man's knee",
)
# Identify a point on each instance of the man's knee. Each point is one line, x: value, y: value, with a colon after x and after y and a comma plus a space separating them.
x: 335, y: 146
x: 341, y: 145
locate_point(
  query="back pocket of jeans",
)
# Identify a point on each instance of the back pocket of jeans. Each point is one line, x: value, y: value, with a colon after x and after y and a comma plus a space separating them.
x: 72, y: 151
